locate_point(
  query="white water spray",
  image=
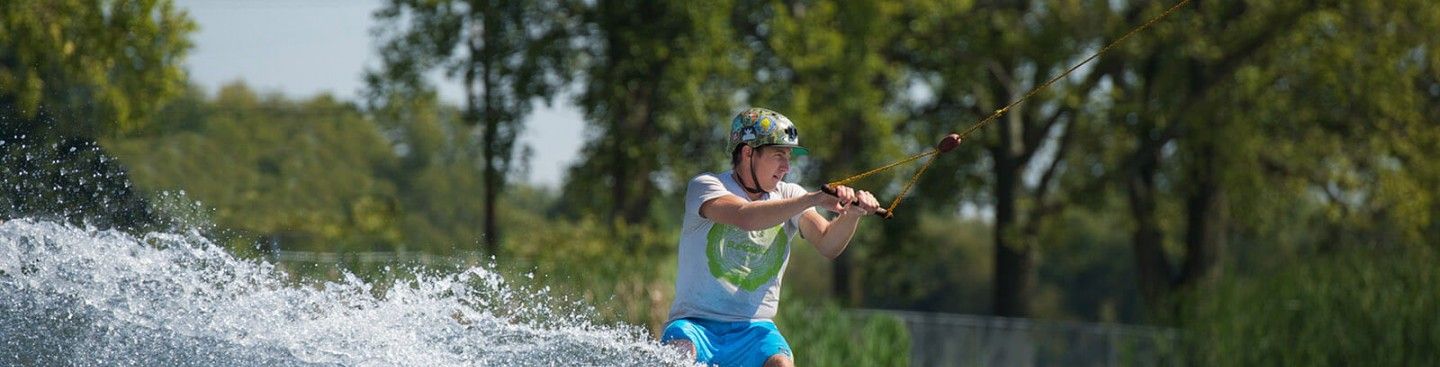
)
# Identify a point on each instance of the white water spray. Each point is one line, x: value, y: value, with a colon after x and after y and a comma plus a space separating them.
x: 84, y: 297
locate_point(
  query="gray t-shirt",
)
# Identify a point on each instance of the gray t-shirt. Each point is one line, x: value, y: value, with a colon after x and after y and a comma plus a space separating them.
x: 725, y: 273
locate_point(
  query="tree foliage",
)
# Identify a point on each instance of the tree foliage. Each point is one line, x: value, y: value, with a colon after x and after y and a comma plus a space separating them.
x: 1210, y: 109
x: 71, y: 72
x: 305, y: 175
x: 504, y: 54
x: 88, y: 67
x: 661, y: 77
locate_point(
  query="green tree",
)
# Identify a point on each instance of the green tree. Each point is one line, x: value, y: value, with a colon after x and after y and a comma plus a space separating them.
x: 971, y: 71
x: 1349, y: 116
x: 302, y: 174
x: 658, y: 71
x: 72, y: 72
x: 505, y: 55
x: 1269, y: 103
x: 88, y: 67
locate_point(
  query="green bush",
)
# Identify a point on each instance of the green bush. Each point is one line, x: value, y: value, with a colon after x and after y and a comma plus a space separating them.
x: 626, y: 272
x: 1350, y: 308
x: 822, y: 334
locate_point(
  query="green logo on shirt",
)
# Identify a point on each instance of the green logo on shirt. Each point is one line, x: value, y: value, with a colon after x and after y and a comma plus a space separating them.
x: 744, y: 258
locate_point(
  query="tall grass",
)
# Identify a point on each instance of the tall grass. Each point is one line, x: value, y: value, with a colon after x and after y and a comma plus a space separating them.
x: 1348, y: 308
x: 822, y: 334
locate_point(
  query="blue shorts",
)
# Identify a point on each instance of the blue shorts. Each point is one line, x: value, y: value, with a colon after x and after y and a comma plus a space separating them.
x: 743, y: 343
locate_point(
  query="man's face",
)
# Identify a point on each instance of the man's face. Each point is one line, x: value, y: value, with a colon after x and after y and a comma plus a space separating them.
x: 771, y: 165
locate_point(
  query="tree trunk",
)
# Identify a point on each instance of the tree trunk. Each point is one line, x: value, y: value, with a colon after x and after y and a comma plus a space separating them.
x: 1206, y: 217
x: 620, y: 171
x: 633, y: 187
x: 494, y: 179
x: 1153, y: 268
x: 1014, y: 265
x: 842, y: 274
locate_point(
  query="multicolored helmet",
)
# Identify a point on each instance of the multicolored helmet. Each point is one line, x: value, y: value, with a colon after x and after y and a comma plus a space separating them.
x: 759, y: 127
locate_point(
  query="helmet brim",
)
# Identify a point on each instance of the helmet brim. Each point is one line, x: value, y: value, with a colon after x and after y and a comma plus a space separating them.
x: 795, y: 150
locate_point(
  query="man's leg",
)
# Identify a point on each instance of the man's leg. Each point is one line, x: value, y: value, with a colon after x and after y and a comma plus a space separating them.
x: 769, y: 344
x: 779, y: 360
x: 684, y: 346
x: 689, y: 338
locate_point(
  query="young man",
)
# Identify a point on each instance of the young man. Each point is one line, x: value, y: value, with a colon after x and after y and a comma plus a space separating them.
x: 735, y: 244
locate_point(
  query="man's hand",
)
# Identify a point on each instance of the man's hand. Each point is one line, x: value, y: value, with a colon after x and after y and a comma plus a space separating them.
x: 832, y: 236
x: 847, y: 200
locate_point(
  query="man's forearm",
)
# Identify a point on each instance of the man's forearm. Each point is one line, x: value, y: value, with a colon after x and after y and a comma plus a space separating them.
x: 757, y: 215
x: 836, y: 236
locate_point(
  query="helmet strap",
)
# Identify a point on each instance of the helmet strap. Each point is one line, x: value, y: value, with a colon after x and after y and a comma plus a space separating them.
x: 753, y: 176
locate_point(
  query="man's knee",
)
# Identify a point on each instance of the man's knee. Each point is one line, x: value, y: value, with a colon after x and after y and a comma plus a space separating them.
x: 685, y: 346
x: 779, y: 360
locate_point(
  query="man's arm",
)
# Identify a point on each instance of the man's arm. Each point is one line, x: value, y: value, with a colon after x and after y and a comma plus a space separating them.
x: 832, y: 237
x: 758, y: 215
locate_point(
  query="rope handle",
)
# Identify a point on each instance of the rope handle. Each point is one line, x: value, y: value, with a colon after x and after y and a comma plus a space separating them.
x: 880, y: 211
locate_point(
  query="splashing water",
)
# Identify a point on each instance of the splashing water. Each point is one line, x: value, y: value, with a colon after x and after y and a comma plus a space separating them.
x: 85, y: 297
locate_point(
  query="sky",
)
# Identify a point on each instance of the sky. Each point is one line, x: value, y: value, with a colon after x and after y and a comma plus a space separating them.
x: 305, y: 48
